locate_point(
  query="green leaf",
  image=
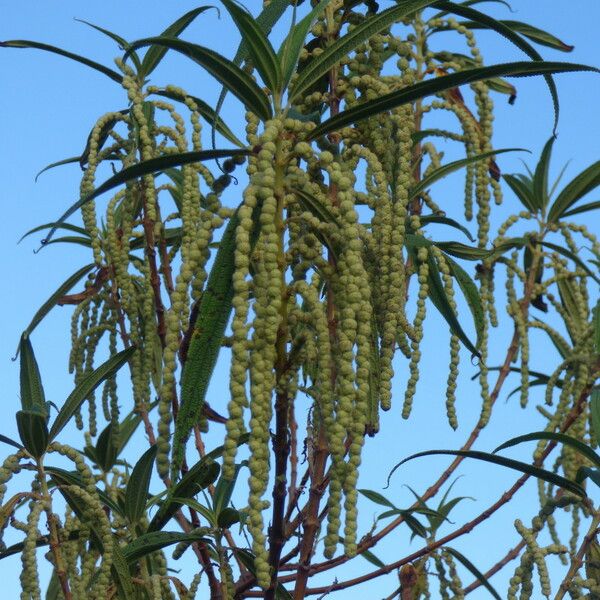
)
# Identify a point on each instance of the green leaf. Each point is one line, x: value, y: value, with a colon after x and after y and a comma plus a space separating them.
x: 228, y: 517
x: 578, y: 187
x: 332, y: 55
x: 55, y: 297
x: 437, y: 295
x: 509, y: 34
x: 265, y: 20
x: 204, y: 511
x: 64, y: 161
x: 151, y: 542
x: 64, y: 477
x: 200, y: 476
x: 446, y: 221
x: 136, y: 493
x: 540, y: 178
x: 213, y: 312
x: 224, y: 490
x: 53, y: 591
x: 121, y: 42
x: 106, y: 450
x: 32, y: 390
x: 128, y: 426
x: 445, y: 170
x: 523, y: 190
x: 470, y: 3
x: 237, y: 81
x: 80, y: 59
x: 581, y: 209
x: 147, y: 167
x: 121, y: 575
x: 564, y: 439
x: 66, y: 226
x: 10, y: 442
x: 376, y: 497
x: 208, y: 113
x: 155, y: 54
x: 369, y: 556
x: 474, y: 571
x: 584, y: 473
x: 463, y: 251
x: 516, y: 465
x: 33, y: 432
x: 533, y: 33
x: 430, y: 87
x: 289, y: 53
x: 86, y: 386
x: 259, y: 48
x: 596, y: 327
x: 471, y: 294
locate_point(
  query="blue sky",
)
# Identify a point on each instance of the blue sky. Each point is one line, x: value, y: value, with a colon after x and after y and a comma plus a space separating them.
x: 47, y: 109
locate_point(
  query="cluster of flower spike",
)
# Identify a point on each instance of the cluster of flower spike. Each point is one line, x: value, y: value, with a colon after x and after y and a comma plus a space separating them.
x: 329, y: 236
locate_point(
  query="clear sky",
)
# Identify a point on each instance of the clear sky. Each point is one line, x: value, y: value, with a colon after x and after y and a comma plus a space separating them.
x: 47, y: 108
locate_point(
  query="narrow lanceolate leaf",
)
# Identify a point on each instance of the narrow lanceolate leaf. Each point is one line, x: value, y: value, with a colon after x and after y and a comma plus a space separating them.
x: 374, y: 560
x: 147, y: 167
x: 596, y: 327
x: 55, y: 297
x: 516, y: 465
x: 122, y: 42
x: 208, y: 113
x: 471, y: 294
x: 445, y: 170
x: 290, y: 50
x: 509, y: 34
x: 214, y: 310
x: 523, y: 190
x: 106, y: 450
x: 446, y: 221
x: 32, y: 390
x: 540, y: 178
x: 128, y: 426
x: 463, y: 560
x: 237, y: 81
x: 257, y: 43
x: 155, y: 54
x: 59, y: 163
x: 33, y: 432
x: 582, y: 209
x: 376, y: 497
x: 151, y: 542
x: 595, y: 412
x: 136, y: 493
x: 539, y: 36
x: 470, y: 3
x: 265, y: 20
x: 199, y: 477
x: 63, y: 477
x: 80, y: 59
x: 86, y: 386
x: 331, y: 56
x: 566, y: 440
x: 121, y: 575
x: 578, y: 187
x: 437, y: 295
x: 439, y: 84
x: 10, y: 442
